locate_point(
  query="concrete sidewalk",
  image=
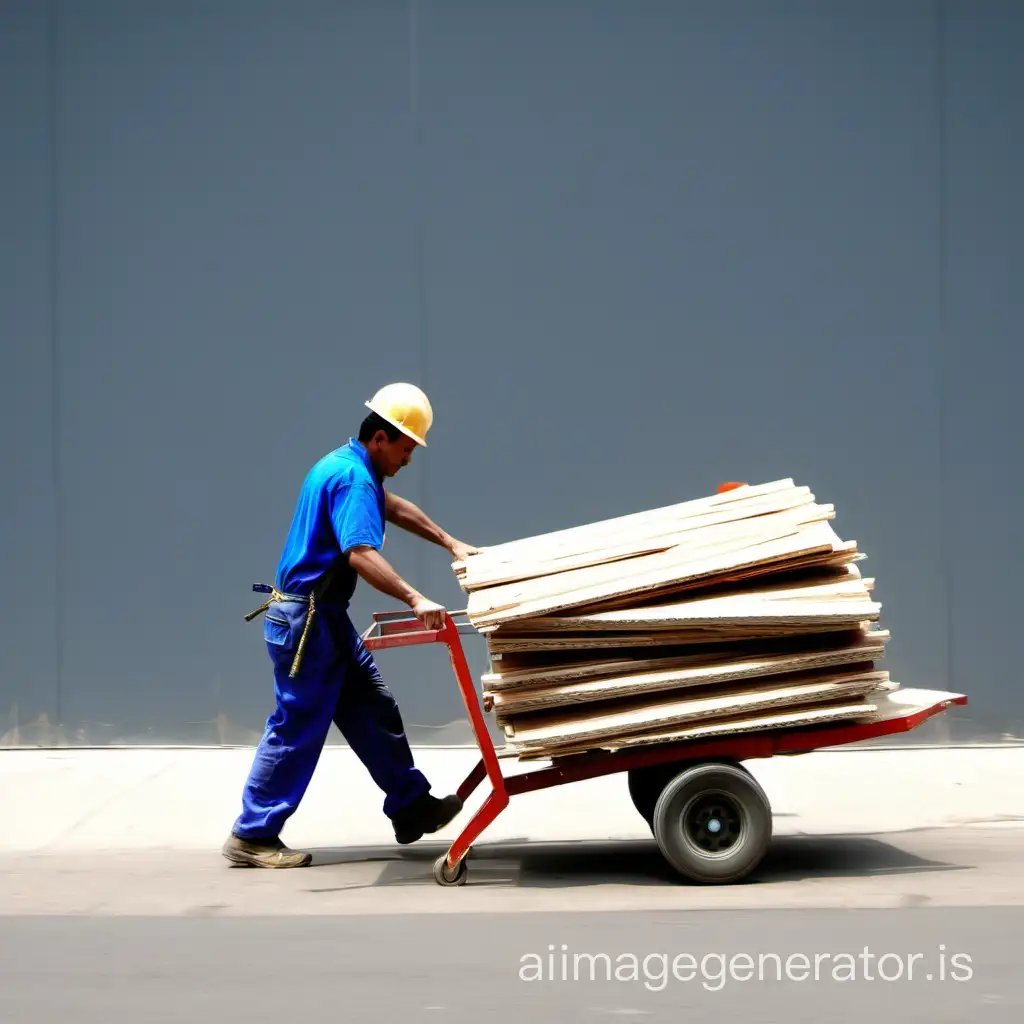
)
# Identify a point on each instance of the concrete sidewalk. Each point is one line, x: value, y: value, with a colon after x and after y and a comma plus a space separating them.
x: 59, y: 801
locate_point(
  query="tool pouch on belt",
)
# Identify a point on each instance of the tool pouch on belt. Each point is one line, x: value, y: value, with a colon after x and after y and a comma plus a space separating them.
x: 321, y: 587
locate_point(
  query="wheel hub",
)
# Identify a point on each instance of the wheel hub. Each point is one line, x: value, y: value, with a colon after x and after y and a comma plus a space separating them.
x: 712, y: 823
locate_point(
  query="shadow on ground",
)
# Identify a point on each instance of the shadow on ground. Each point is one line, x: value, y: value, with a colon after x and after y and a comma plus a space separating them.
x: 518, y: 863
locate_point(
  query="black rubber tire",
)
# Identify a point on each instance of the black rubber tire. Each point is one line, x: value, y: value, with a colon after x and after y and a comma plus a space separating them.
x: 713, y: 823
x: 644, y: 791
x: 645, y: 786
x: 444, y: 875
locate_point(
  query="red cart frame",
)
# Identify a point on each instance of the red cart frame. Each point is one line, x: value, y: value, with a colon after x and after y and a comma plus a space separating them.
x: 402, y: 629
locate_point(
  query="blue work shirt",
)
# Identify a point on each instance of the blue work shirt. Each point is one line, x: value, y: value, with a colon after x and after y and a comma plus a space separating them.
x: 341, y: 505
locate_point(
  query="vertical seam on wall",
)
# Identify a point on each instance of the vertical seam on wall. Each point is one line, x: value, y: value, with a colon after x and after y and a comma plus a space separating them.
x: 944, y: 547
x: 419, y: 230
x: 55, y: 390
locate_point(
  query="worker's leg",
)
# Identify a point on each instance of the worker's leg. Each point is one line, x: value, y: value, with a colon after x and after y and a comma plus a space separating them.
x: 295, y: 733
x: 368, y: 717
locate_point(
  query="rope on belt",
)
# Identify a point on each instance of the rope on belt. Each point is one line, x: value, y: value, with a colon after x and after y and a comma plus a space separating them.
x: 277, y: 595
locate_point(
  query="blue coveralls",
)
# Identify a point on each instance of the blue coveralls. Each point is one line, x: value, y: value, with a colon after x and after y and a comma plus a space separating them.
x: 341, y: 505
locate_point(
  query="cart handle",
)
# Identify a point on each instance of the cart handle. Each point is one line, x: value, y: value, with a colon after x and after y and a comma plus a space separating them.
x: 403, y: 629
x: 400, y: 629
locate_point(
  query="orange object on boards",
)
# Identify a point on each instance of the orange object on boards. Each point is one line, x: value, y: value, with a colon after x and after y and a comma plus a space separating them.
x: 731, y: 486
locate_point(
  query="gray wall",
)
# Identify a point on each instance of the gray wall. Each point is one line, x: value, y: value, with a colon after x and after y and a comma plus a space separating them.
x: 630, y: 250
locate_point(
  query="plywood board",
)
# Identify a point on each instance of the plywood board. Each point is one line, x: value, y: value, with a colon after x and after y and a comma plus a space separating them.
x: 711, y: 653
x: 557, y: 674
x: 765, y: 581
x: 679, y: 618
x: 773, y: 582
x: 562, y: 728
x: 818, y: 539
x: 750, y: 576
x: 518, y: 706
x: 782, y: 722
x: 797, y: 604
x: 484, y: 571
x: 820, y: 569
x: 573, y: 538
x: 596, y: 640
x: 549, y: 672
x: 729, y: 538
x: 570, y: 642
x: 513, y: 700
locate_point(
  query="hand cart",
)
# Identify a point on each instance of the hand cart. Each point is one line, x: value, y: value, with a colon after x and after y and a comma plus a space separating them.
x: 711, y: 819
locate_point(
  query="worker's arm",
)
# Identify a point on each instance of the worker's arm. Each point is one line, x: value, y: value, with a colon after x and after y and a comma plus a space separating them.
x: 374, y: 568
x: 405, y: 514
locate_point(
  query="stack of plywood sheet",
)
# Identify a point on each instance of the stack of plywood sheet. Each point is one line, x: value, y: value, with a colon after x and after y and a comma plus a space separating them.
x: 735, y: 612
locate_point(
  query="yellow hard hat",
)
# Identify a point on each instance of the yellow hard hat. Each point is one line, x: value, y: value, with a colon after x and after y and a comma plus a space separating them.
x: 406, y: 407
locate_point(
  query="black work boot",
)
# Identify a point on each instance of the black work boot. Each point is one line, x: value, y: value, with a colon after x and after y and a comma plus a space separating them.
x: 428, y: 814
x: 263, y: 853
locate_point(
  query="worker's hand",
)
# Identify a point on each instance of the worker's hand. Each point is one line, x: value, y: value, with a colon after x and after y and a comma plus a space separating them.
x: 430, y: 614
x: 460, y: 552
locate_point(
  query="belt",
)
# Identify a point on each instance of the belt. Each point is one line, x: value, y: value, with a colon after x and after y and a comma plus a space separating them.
x: 277, y: 595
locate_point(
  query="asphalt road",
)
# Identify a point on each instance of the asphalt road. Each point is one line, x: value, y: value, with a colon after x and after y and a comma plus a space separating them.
x: 941, y: 867
x: 365, y: 935
x: 754, y: 966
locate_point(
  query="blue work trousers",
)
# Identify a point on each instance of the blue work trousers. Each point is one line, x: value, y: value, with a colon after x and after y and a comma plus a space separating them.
x: 337, y: 681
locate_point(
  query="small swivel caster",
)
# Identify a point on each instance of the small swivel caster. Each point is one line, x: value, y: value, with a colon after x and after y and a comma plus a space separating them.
x: 444, y: 875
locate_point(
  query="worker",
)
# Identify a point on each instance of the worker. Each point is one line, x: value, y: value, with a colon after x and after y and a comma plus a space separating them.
x: 322, y: 670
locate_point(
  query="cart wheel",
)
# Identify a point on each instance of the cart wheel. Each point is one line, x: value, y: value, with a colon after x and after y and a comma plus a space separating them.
x: 445, y: 875
x: 713, y: 823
